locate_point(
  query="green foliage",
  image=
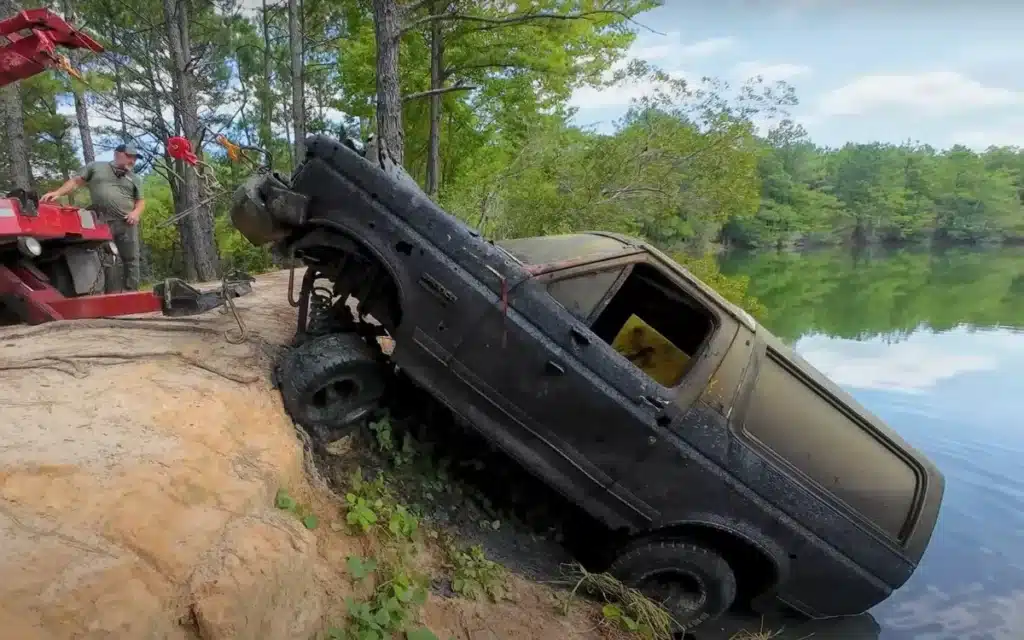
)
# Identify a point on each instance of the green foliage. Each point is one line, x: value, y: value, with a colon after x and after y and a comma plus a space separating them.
x: 391, y: 608
x: 475, y: 576
x: 732, y: 288
x: 613, y: 613
x: 371, y: 506
x: 286, y: 502
x: 879, y: 193
x: 399, y: 590
x: 399, y: 456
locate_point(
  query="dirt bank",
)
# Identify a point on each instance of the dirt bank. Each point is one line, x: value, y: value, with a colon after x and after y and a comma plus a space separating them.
x: 139, y: 465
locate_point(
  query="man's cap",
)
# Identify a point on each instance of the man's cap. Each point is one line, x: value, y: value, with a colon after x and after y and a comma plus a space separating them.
x: 128, y: 149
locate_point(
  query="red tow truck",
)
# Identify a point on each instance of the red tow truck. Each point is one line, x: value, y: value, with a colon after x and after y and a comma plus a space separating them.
x: 51, y: 255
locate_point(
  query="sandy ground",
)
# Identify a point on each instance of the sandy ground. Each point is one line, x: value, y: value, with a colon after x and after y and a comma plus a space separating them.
x: 139, y: 459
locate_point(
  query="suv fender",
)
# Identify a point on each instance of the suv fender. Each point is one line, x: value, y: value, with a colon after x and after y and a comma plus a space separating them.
x: 369, y: 243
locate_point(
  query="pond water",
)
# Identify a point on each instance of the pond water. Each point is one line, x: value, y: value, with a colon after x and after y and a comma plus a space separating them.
x: 933, y: 343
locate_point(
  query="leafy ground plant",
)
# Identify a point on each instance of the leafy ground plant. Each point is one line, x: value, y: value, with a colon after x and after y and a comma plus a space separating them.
x: 399, y: 454
x: 474, y: 576
x: 287, y: 503
x: 392, y: 607
x: 399, y: 590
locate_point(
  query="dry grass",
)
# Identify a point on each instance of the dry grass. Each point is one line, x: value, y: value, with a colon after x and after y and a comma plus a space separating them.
x: 754, y: 635
x: 762, y: 634
x: 644, y: 611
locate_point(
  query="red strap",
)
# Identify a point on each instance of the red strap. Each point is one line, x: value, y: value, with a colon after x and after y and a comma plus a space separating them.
x: 179, y: 148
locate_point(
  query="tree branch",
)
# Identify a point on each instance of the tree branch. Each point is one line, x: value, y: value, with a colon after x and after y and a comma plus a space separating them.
x: 520, y: 19
x: 435, y: 92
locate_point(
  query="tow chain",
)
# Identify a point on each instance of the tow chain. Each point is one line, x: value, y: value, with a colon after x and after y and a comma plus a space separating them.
x: 243, y: 332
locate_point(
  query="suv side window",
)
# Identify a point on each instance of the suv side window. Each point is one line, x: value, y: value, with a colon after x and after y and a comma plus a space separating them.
x: 581, y: 294
x: 649, y: 320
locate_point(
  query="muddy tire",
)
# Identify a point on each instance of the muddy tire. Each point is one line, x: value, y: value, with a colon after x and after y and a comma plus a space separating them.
x: 330, y: 384
x: 60, y: 278
x: 693, y: 583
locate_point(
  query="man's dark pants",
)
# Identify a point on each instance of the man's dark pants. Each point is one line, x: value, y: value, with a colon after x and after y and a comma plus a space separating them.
x: 126, y: 237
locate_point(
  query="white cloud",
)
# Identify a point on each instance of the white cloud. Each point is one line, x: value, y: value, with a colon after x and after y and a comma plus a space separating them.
x: 770, y: 72
x: 983, y: 54
x: 930, y: 93
x: 709, y: 47
x: 655, y: 48
x: 619, y: 96
x: 1009, y: 132
x: 913, y: 366
x: 667, y: 52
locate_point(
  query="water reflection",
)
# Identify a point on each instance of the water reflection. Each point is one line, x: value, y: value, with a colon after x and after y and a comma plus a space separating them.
x: 934, y: 345
x: 886, y: 295
x: 779, y: 627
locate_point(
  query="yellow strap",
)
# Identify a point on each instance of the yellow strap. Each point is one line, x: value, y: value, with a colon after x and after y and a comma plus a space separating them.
x: 65, y: 65
x: 234, y: 152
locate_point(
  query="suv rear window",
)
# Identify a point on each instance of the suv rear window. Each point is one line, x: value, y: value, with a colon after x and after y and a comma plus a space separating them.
x: 653, y: 323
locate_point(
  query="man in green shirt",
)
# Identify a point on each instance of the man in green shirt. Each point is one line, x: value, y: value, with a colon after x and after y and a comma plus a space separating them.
x: 115, y: 193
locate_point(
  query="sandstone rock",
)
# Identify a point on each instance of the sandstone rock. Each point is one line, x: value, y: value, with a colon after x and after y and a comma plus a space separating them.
x: 258, y: 582
x: 138, y: 468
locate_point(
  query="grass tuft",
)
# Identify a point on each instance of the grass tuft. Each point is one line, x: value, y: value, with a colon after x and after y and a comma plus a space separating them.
x: 624, y: 606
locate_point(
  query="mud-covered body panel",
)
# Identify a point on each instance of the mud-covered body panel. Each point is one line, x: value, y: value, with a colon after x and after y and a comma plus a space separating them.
x: 481, y: 332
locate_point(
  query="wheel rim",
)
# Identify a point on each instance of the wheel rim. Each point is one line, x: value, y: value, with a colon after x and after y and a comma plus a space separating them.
x: 337, y: 397
x: 681, y: 593
x: 336, y: 391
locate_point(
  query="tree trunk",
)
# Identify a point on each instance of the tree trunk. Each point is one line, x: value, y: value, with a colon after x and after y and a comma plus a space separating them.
x: 298, y: 91
x: 81, y: 108
x: 391, y: 138
x: 119, y: 95
x: 17, y: 143
x: 85, y: 133
x: 196, y: 228
x: 436, y: 80
x: 266, y: 99
x: 10, y: 103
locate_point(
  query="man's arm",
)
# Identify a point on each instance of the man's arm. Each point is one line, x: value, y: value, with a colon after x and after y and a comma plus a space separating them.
x: 68, y: 187
x: 140, y: 204
x: 136, y: 212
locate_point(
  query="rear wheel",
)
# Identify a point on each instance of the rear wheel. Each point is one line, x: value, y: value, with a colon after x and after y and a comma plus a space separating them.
x: 330, y: 383
x: 693, y: 583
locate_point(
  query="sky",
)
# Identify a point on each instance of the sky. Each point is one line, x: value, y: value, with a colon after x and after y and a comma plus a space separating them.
x: 941, y: 72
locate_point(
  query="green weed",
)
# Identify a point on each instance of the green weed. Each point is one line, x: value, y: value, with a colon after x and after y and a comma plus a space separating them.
x: 287, y: 503
x: 392, y: 607
x: 398, y: 455
x: 474, y: 576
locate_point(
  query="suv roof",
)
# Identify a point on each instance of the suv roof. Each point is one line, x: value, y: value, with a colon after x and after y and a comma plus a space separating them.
x: 548, y: 253
x: 568, y: 248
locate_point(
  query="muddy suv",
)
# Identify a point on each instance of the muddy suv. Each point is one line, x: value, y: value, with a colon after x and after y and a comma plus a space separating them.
x: 731, y: 466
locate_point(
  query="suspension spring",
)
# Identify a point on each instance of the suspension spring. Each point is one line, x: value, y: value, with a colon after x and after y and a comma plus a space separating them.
x: 321, y: 304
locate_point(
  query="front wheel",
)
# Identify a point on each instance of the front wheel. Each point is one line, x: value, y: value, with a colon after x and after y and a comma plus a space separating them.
x: 330, y: 383
x: 692, y: 583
